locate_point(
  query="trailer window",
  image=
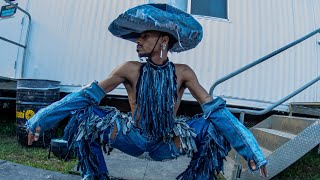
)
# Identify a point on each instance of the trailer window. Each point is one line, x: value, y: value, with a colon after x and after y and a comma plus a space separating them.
x: 213, y: 8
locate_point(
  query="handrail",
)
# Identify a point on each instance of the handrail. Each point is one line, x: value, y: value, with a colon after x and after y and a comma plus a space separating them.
x: 27, y: 36
x: 248, y: 66
x: 244, y: 68
x: 12, y: 42
x: 237, y: 166
x: 29, y: 17
x: 268, y: 109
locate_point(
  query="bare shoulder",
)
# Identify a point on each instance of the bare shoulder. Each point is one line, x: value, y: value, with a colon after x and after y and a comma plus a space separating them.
x: 182, y: 67
x: 131, y: 65
x: 127, y: 68
x: 185, y: 71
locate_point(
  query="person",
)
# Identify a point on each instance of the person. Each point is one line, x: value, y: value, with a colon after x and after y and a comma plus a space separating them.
x: 155, y: 88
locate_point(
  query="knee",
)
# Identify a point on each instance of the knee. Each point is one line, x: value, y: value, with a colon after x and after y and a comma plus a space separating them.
x: 114, y: 131
x: 110, y: 133
x: 199, y: 125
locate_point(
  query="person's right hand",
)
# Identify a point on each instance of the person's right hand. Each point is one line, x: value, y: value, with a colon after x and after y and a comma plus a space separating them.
x: 33, y: 136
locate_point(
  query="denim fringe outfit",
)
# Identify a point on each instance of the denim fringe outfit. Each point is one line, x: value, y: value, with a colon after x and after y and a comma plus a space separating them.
x: 205, y: 138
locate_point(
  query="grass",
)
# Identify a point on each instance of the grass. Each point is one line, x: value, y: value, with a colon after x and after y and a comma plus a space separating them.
x: 11, y: 150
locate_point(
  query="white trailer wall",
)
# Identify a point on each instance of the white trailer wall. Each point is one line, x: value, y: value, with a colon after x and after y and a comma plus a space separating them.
x: 10, y: 28
x: 69, y: 42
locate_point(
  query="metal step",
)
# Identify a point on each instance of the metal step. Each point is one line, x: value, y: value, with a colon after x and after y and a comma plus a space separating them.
x: 271, y: 139
x: 283, y: 140
x: 293, y: 148
x: 290, y: 124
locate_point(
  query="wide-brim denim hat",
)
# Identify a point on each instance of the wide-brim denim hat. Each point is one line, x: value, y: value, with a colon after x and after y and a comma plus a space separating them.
x: 159, y: 17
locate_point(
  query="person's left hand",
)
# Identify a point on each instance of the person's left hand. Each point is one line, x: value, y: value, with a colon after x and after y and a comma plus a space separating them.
x: 263, y: 169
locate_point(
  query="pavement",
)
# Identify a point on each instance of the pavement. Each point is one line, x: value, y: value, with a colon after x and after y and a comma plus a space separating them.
x: 120, y: 166
x: 14, y: 171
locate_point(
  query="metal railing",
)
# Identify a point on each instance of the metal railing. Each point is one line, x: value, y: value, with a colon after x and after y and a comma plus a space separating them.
x: 24, y: 46
x: 242, y: 112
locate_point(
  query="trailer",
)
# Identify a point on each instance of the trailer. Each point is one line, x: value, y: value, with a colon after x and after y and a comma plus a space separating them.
x: 68, y: 41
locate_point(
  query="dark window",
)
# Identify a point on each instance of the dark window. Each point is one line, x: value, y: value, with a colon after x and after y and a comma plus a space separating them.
x: 214, y: 8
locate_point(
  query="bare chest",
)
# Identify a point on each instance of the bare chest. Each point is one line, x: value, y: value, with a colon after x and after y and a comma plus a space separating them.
x: 131, y: 87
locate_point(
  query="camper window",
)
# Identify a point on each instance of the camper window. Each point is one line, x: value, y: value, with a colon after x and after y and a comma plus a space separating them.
x: 213, y: 8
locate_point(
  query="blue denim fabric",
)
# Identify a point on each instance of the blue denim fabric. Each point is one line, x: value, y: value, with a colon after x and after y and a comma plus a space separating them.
x: 135, y: 143
x: 91, y: 160
x: 160, y: 17
x: 51, y: 115
x: 240, y: 138
x: 212, y: 147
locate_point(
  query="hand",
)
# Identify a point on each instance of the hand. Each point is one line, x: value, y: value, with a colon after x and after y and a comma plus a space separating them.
x: 33, y: 137
x: 263, y: 169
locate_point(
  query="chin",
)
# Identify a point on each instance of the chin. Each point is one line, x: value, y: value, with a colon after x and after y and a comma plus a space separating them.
x: 142, y: 55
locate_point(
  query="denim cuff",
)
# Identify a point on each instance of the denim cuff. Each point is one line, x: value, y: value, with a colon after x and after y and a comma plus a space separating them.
x: 94, y: 92
x: 212, y: 106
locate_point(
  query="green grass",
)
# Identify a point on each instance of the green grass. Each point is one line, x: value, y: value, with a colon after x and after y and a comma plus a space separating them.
x: 11, y: 150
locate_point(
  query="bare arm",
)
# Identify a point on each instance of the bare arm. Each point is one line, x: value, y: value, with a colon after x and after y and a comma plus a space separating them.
x: 192, y: 83
x: 117, y: 76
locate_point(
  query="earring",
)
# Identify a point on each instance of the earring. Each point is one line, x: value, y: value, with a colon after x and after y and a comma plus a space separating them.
x: 164, y: 46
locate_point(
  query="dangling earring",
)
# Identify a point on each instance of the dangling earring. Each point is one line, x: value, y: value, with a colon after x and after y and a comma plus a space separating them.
x: 163, y: 47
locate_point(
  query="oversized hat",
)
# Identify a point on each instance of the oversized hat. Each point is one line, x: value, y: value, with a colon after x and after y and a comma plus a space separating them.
x: 160, y: 17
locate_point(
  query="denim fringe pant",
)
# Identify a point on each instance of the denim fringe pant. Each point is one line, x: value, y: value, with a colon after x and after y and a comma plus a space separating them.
x: 205, y: 139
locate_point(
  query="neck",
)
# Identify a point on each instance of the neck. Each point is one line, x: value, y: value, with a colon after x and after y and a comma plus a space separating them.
x: 159, y: 61
x: 153, y: 65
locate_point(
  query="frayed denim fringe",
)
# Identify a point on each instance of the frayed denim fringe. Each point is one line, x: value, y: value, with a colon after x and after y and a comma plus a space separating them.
x: 208, y: 161
x: 156, y: 97
x: 83, y: 132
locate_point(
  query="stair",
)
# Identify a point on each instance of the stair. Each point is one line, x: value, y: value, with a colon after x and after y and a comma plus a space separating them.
x: 283, y: 140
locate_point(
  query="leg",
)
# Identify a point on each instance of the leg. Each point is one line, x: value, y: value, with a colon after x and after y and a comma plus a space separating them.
x: 212, y: 149
x: 160, y: 150
x: 90, y: 127
x: 129, y: 142
x: 90, y: 160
